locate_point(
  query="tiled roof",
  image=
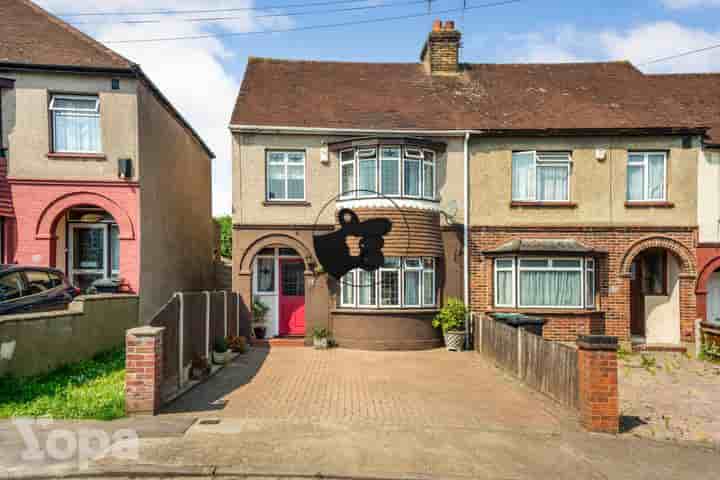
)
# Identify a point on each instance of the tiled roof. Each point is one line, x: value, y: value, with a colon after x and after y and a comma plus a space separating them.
x: 608, y: 95
x: 30, y: 35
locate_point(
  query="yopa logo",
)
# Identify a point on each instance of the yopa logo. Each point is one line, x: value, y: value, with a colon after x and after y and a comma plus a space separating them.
x: 332, y: 248
x: 44, y: 443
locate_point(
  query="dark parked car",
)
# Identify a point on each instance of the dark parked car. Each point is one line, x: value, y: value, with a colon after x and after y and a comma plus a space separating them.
x: 33, y: 289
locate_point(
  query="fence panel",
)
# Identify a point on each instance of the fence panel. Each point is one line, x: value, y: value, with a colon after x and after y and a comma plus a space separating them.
x: 217, y: 317
x: 231, y: 304
x: 169, y: 317
x: 195, y: 335
x: 500, y: 343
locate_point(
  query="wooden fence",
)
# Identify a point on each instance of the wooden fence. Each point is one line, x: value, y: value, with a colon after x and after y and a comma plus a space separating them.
x: 193, y: 321
x: 549, y: 367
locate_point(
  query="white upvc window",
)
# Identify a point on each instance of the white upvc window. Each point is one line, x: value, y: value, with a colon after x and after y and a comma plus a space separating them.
x: 545, y: 282
x: 541, y: 176
x: 429, y: 174
x: 347, y: 173
x: 646, y: 176
x: 412, y: 172
x: 285, y: 175
x: 504, y: 282
x: 390, y: 161
x: 76, y: 124
x: 399, y: 283
x: 367, y: 167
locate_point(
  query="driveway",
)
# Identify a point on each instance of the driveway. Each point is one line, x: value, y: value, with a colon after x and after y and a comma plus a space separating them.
x: 385, y: 388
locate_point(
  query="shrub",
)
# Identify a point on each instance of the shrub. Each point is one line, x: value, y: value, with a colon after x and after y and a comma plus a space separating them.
x: 451, y: 316
x: 220, y: 345
x: 225, y: 223
x: 259, y: 310
x: 319, y: 332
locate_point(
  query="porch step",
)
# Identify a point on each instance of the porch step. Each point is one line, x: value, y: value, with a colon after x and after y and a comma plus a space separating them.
x: 286, y: 341
x: 658, y: 347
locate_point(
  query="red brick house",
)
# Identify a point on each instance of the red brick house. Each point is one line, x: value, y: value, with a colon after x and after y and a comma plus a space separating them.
x: 99, y: 174
x: 567, y: 191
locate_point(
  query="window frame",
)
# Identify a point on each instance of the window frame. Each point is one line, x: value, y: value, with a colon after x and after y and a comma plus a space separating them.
x: 381, y: 157
x: 516, y: 284
x: 286, y: 164
x: 94, y: 113
x: 352, y: 162
x: 432, y: 164
x: 645, y: 164
x: 358, y: 159
x: 537, y: 154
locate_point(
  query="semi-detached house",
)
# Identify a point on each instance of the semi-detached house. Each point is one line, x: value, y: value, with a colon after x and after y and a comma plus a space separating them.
x: 569, y: 191
x: 100, y: 175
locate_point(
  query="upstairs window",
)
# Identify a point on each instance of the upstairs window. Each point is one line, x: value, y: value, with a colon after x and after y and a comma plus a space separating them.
x: 646, y: 175
x: 285, y: 176
x: 392, y: 171
x: 75, y: 124
x: 541, y: 176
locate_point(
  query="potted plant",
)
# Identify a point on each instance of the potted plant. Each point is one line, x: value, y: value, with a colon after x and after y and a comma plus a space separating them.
x: 200, y: 367
x: 259, y: 310
x: 451, y: 319
x: 237, y: 344
x: 220, y: 353
x: 321, y: 337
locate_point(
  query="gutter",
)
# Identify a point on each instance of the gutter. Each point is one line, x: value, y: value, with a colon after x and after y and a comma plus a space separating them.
x: 340, y: 131
x: 466, y: 234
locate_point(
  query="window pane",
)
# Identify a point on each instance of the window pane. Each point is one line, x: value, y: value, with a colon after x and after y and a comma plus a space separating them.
x: 392, y: 262
x: 656, y: 177
x: 287, y: 252
x: 76, y: 132
x: 11, y: 287
x: 429, y: 180
x: 89, y: 249
x: 114, y: 248
x: 590, y: 288
x: 535, y: 263
x: 366, y: 181
x: 550, y: 289
x: 347, y: 289
x: 276, y: 184
x: 292, y: 279
x: 348, y: 177
x: 635, y: 183
x: 523, y: 181
x: 412, y: 287
x: 412, y: 177
x: 266, y: 274
x: 78, y: 104
x: 428, y: 287
x: 552, y: 183
x: 37, y: 282
x: 296, y: 157
x: 574, y: 263
x: 276, y: 157
x: 296, y: 182
x: 504, y: 288
x: 366, y: 288
x: 412, y: 263
x: 389, y: 287
x: 503, y: 263
x: 390, y: 171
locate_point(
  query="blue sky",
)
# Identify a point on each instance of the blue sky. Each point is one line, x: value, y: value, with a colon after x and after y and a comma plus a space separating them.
x: 526, y: 31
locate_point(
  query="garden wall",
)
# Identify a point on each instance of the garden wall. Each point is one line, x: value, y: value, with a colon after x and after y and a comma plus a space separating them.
x: 35, y: 343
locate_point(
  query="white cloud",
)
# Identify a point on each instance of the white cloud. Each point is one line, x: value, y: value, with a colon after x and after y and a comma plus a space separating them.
x: 639, y: 44
x: 191, y: 73
x: 679, y: 4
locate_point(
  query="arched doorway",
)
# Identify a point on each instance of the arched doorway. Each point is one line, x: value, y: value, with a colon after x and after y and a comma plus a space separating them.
x: 713, y: 297
x: 278, y: 281
x: 655, y: 297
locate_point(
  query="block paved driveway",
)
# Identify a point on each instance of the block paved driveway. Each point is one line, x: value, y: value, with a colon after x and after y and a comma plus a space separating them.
x: 395, y: 388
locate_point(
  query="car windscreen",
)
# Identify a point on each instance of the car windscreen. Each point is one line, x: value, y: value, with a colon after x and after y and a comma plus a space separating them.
x: 11, y: 286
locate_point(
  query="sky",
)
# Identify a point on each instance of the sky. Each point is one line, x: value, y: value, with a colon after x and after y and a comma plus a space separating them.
x: 202, y: 76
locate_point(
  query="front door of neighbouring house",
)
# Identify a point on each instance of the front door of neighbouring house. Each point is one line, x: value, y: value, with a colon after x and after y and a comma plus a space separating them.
x: 87, y: 254
x: 713, y: 298
x: 637, y: 300
x: 292, y: 297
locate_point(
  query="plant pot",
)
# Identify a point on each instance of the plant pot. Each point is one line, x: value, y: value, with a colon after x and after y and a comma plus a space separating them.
x: 320, y: 343
x: 455, y: 340
x: 221, y: 358
x: 259, y: 332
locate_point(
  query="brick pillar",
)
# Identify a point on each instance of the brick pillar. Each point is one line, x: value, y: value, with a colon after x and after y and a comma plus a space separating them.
x: 143, y: 370
x: 598, y: 383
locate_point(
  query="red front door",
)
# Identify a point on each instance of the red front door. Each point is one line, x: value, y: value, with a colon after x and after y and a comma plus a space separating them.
x: 292, y: 297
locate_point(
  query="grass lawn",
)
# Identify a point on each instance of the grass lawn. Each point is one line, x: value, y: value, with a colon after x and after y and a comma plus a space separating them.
x: 91, y: 389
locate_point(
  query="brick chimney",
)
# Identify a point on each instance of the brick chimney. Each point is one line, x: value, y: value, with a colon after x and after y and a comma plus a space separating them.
x: 441, y: 52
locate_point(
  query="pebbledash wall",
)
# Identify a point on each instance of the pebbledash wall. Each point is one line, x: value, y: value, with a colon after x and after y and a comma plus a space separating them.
x: 597, y: 215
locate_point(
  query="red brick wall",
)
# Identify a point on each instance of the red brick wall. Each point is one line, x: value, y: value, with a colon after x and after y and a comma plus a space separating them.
x: 598, y: 389
x: 613, y: 301
x: 143, y: 370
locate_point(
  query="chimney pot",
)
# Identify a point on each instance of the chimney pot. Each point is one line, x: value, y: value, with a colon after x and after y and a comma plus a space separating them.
x: 450, y: 25
x: 437, y: 25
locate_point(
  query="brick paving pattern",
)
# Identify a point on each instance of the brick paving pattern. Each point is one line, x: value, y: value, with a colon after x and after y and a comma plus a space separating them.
x: 401, y: 388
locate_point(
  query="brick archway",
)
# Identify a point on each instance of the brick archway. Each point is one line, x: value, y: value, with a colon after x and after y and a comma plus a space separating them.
x: 49, y: 217
x: 274, y: 240
x: 679, y: 250
x: 705, y: 274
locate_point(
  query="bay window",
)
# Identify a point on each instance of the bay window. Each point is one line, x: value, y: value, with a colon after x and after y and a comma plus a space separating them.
x: 285, y: 175
x: 75, y: 124
x: 399, y: 283
x: 391, y: 171
x: 541, y: 176
x: 539, y: 282
x: 646, y: 172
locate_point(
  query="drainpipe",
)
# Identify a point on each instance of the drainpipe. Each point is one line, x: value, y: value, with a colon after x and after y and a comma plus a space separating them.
x: 466, y: 234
